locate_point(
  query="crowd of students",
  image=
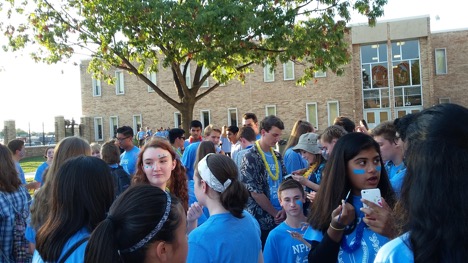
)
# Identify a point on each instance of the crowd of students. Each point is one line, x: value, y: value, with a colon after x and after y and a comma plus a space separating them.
x: 249, y: 202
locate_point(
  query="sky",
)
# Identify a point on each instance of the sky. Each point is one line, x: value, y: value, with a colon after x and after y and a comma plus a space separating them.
x: 33, y: 94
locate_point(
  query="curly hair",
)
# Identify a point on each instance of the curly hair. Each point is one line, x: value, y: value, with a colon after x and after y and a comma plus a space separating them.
x: 177, y: 183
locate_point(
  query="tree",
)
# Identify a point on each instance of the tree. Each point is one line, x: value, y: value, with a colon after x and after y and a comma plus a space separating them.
x: 223, y: 37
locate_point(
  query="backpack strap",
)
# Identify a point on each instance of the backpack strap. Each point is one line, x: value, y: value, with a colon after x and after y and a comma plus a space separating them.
x: 72, y: 249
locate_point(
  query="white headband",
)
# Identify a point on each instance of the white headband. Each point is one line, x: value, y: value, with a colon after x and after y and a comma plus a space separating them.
x: 207, y: 176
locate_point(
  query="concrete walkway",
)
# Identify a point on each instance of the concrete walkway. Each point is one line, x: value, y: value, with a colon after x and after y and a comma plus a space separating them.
x: 29, y: 175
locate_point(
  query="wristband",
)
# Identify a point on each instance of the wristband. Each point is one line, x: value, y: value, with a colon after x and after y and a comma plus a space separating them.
x: 337, y: 229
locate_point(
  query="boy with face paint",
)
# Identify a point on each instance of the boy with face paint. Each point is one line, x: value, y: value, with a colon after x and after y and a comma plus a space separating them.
x: 285, y: 242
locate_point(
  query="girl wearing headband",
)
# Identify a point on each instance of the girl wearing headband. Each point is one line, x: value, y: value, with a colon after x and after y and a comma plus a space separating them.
x: 145, y: 224
x: 230, y: 234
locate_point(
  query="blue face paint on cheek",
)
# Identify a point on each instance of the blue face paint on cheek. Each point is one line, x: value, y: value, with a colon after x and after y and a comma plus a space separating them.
x: 359, y: 171
x: 378, y: 168
x: 299, y: 203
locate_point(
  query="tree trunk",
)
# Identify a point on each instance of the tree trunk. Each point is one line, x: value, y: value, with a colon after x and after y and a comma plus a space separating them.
x: 187, y: 116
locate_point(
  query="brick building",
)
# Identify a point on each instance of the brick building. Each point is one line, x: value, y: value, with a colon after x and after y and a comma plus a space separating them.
x: 397, y: 67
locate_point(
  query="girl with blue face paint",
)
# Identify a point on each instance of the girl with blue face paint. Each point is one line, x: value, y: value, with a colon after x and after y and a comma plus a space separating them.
x: 342, y: 230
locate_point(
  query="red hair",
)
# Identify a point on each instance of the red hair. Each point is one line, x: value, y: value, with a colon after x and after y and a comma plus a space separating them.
x: 177, y: 183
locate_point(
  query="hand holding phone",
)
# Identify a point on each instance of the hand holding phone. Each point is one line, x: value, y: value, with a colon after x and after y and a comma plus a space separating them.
x: 372, y: 195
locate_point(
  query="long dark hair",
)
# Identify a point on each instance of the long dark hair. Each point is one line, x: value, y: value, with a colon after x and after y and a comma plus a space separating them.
x: 177, y: 183
x: 335, y: 180
x: 82, y: 192
x: 9, y: 180
x: 235, y: 197
x: 67, y: 148
x: 134, y: 214
x: 433, y: 205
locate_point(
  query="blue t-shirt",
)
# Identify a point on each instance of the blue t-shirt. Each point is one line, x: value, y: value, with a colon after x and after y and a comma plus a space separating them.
x: 225, y: 238
x: 40, y: 172
x: 128, y: 160
x: 79, y: 253
x: 226, y: 145
x: 396, y: 174
x: 188, y: 159
x: 280, y: 247
x: 396, y: 251
x: 20, y: 172
x: 274, y: 184
x: 371, y: 242
x: 294, y: 161
x: 141, y: 135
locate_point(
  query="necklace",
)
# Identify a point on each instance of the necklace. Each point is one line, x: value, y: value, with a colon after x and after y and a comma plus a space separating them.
x: 356, y: 243
x: 310, y: 170
x: 177, y: 150
x: 260, y: 151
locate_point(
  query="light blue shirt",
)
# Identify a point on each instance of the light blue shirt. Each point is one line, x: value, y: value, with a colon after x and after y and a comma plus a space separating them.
x: 188, y: 159
x: 226, y: 145
x: 294, y: 161
x: 396, y: 251
x: 40, y: 172
x: 280, y: 247
x: 396, y: 174
x: 274, y: 184
x: 225, y: 238
x: 371, y: 242
x: 20, y: 172
x: 128, y: 160
x: 79, y: 253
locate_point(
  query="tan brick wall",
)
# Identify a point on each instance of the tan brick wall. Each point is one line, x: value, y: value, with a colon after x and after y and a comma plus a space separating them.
x: 290, y: 100
x: 454, y: 84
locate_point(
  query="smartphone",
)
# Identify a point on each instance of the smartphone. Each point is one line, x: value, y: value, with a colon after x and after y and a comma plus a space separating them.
x: 372, y: 195
x: 289, y: 176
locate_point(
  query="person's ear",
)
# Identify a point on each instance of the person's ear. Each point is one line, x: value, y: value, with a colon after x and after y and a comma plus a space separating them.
x: 162, y: 251
x: 204, y: 187
x: 174, y: 162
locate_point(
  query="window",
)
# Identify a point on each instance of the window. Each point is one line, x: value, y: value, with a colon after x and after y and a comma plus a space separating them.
x: 152, y: 77
x: 288, y: 69
x: 188, y: 80
x: 268, y: 73
x: 320, y: 74
x: 270, y: 110
x: 311, y: 113
x: 113, y: 125
x: 98, y: 133
x: 333, y: 109
x: 232, y: 117
x: 119, y: 83
x: 406, y: 73
x: 137, y: 124
x: 441, y: 61
x: 374, y: 66
x: 206, y: 83
x: 177, y: 120
x: 205, y: 118
x: 444, y: 100
x: 96, y: 87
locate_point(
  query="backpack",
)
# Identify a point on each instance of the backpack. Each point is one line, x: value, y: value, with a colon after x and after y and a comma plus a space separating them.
x: 121, y: 180
x: 20, y: 249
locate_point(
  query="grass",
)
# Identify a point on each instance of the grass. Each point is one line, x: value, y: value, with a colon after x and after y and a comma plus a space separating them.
x: 30, y: 164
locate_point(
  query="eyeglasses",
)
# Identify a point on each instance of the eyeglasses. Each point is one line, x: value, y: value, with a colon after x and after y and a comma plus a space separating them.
x: 123, y: 139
